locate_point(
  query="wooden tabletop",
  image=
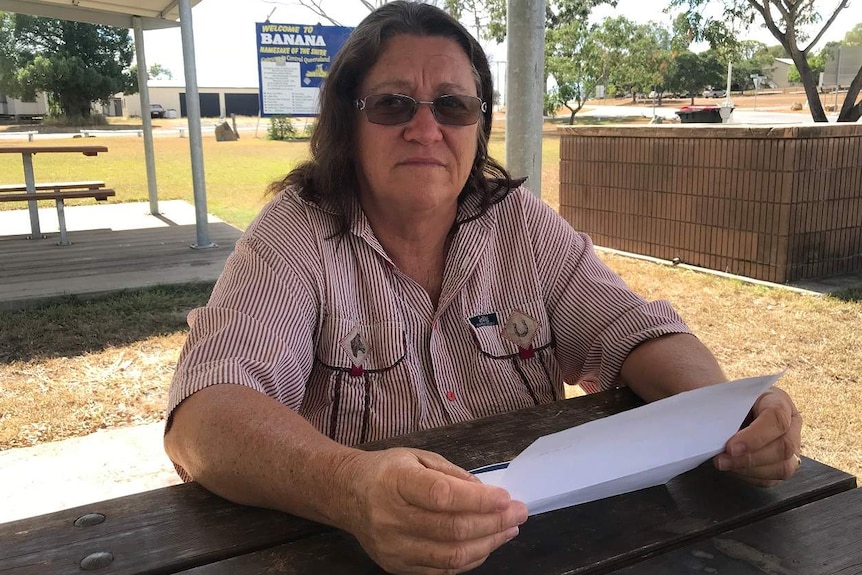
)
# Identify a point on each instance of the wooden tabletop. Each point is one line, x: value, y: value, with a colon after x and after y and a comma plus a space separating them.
x: 86, y: 149
x: 820, y: 538
x: 184, y: 528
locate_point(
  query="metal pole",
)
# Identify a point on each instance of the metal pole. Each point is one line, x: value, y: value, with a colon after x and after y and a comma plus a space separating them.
x: 193, y: 111
x: 837, y: 77
x: 729, y: 74
x: 32, y: 205
x: 525, y: 72
x: 149, y: 149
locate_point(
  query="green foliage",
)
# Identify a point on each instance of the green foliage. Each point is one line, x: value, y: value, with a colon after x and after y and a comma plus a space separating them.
x: 631, y: 57
x: 557, y: 13
x: 281, y: 128
x: 690, y: 72
x: 159, y: 72
x: 571, y: 59
x: 854, y: 36
x: 76, y: 64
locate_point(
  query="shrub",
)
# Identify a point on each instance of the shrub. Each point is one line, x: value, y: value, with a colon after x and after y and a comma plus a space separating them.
x: 281, y: 128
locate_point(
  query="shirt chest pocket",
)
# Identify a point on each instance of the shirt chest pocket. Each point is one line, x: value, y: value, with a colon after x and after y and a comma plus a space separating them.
x: 514, y: 353
x: 350, y: 395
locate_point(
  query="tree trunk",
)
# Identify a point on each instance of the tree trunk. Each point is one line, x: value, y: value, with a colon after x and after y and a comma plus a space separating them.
x: 851, y: 111
x: 573, y: 111
x: 810, y: 85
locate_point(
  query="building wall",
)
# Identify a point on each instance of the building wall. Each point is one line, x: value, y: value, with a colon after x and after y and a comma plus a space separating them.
x: 773, y: 203
x: 169, y: 97
x: 14, y: 107
x: 778, y: 73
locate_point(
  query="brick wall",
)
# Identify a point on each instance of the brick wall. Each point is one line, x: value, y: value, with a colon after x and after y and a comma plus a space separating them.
x: 774, y: 203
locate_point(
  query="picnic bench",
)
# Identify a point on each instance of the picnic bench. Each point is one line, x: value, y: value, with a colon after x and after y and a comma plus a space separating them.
x: 59, y: 192
x: 31, y: 192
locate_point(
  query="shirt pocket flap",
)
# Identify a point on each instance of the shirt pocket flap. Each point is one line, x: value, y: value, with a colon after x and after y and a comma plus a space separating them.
x: 345, y: 343
x: 492, y: 340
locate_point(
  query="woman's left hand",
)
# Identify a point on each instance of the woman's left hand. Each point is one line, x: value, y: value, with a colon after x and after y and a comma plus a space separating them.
x: 767, y: 451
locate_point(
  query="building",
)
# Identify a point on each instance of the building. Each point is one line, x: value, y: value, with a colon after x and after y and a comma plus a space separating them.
x: 15, y: 109
x: 216, y: 102
x: 779, y: 71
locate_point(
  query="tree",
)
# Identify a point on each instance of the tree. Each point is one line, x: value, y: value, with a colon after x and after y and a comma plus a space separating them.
x: 790, y: 22
x: 854, y: 36
x: 159, y: 72
x: 690, y: 72
x: 570, y: 58
x: 557, y: 13
x: 75, y: 64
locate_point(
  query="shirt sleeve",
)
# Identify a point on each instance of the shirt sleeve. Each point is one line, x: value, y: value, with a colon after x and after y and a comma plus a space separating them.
x: 595, y: 318
x: 256, y: 330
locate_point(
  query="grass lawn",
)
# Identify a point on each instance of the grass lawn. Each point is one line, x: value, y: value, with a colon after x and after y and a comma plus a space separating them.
x: 71, y: 368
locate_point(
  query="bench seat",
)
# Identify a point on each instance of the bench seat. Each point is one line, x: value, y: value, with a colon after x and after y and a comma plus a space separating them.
x: 59, y: 196
x: 56, y: 186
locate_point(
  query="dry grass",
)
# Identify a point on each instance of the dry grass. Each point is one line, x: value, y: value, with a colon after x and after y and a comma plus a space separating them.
x: 71, y: 368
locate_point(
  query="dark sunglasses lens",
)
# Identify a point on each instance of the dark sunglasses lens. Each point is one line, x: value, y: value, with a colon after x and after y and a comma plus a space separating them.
x: 457, y: 110
x: 389, y: 109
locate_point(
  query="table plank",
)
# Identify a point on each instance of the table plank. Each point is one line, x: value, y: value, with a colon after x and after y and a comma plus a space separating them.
x: 821, y: 538
x: 86, y: 149
x: 592, y: 538
x: 178, y: 527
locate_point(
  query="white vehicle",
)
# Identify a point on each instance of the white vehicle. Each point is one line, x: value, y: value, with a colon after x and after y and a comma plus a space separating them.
x: 714, y: 93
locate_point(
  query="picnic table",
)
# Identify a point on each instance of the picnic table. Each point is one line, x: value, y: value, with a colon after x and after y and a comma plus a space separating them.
x: 704, y: 512
x: 31, y: 192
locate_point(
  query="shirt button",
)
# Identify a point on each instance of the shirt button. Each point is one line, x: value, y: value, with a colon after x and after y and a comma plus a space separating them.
x: 450, y: 395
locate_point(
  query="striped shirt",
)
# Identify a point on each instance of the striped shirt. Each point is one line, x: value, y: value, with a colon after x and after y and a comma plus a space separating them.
x: 331, y: 328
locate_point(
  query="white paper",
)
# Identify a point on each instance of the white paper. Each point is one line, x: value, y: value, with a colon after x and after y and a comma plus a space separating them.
x: 632, y: 450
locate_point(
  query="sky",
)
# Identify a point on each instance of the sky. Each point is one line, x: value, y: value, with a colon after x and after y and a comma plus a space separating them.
x: 225, y: 46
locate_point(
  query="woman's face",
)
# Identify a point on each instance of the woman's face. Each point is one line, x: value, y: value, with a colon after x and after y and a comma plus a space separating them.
x: 418, y: 167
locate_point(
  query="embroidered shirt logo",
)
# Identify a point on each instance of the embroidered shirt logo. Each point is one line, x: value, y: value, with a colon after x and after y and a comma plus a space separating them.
x: 355, y: 346
x: 520, y: 329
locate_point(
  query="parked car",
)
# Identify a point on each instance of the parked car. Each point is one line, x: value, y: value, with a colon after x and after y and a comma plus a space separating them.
x: 714, y: 93
x: 157, y: 111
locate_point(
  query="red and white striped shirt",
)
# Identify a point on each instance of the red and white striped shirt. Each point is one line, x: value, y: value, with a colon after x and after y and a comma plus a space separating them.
x: 331, y: 328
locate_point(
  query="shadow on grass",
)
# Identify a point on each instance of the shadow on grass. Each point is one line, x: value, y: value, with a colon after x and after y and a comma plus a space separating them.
x: 853, y: 295
x: 71, y: 326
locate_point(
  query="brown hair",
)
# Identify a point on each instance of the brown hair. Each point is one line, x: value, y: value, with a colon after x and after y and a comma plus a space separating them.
x: 330, y: 175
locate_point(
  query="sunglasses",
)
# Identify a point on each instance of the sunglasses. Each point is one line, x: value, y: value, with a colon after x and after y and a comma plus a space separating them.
x: 395, y: 109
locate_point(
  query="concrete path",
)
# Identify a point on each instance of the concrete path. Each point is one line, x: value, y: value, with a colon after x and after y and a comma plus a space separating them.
x: 64, y: 474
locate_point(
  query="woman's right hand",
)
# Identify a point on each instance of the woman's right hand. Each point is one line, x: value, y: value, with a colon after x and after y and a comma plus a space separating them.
x: 414, y: 512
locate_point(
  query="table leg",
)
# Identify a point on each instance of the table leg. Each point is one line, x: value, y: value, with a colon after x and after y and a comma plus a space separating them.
x: 30, y: 182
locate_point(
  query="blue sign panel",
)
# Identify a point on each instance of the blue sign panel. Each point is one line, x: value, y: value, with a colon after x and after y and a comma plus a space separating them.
x: 292, y: 61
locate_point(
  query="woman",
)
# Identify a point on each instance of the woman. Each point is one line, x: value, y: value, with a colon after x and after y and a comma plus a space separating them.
x: 401, y: 280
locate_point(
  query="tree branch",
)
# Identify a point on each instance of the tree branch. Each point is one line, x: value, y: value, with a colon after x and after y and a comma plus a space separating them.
x: 316, y: 7
x: 841, y: 5
x: 766, y: 14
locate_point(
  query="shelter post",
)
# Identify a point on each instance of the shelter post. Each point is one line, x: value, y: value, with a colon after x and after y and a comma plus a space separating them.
x: 193, y: 109
x: 149, y: 149
x: 525, y: 89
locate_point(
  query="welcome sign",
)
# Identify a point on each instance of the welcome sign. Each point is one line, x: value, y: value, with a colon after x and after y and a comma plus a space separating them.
x: 292, y: 62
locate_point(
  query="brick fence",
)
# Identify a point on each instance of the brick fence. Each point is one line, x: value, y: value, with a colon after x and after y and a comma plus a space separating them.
x: 773, y: 203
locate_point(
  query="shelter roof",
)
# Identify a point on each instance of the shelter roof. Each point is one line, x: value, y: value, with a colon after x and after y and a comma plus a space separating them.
x: 154, y: 14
